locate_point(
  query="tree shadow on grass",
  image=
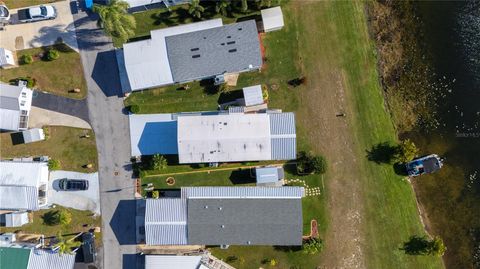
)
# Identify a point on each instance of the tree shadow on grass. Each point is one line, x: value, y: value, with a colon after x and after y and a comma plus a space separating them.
x: 400, y: 169
x: 381, y: 153
x: 416, y: 245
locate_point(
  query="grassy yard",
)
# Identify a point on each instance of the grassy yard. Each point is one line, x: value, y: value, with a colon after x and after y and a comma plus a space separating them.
x: 11, y: 4
x: 64, y: 144
x: 59, y: 76
x: 82, y: 221
x: 328, y: 42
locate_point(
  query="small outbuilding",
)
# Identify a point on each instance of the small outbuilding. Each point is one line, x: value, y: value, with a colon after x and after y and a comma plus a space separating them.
x: 33, y: 135
x: 6, y: 58
x: 15, y: 219
x: 252, y: 95
x: 272, y: 19
x: 269, y: 176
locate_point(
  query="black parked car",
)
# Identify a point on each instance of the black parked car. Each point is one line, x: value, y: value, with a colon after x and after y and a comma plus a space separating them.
x: 66, y: 184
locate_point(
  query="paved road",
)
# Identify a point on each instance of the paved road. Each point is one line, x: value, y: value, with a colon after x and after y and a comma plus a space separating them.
x: 72, y: 107
x: 113, y: 145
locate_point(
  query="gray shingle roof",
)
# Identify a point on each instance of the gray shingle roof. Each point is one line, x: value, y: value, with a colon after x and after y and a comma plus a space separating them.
x: 245, y: 221
x: 207, y: 53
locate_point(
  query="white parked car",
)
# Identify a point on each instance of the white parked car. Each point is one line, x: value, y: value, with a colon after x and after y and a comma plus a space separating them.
x: 4, y: 14
x: 38, y: 13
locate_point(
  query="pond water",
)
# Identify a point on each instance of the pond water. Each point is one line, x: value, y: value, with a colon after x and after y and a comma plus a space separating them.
x: 451, y: 197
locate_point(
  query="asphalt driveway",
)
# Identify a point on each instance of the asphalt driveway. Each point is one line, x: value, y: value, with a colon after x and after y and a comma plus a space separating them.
x: 82, y: 200
x: 72, y: 107
x: 42, y: 33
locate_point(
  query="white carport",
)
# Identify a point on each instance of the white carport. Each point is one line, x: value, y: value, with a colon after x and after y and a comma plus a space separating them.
x: 272, y: 19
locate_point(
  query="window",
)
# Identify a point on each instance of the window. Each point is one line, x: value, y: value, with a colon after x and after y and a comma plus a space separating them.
x: 231, y: 42
x: 22, y: 103
x: 196, y: 56
x: 232, y: 50
x: 194, y: 49
x: 24, y: 94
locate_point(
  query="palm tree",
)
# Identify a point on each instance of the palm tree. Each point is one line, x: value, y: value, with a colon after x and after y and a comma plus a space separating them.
x: 196, y: 9
x: 65, y: 246
x: 115, y: 20
x: 223, y: 7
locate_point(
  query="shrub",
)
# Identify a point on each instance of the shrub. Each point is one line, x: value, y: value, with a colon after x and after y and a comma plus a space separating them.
x: 312, y: 246
x: 46, y: 132
x: 31, y: 82
x: 54, y: 164
x: 134, y: 109
x: 57, y: 217
x: 231, y: 259
x: 265, y: 92
x: 155, y: 194
x: 158, y: 162
x: 53, y: 54
x: 405, y: 152
x: 308, y: 163
x: 420, y: 245
x: 26, y: 59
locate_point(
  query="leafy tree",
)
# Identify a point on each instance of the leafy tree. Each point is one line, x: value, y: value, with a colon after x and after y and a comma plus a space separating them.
x: 134, y: 109
x: 437, y: 247
x: 158, y: 162
x: 65, y: 245
x: 115, y: 20
x: 54, y: 164
x: 26, y: 59
x: 155, y: 194
x: 308, y: 163
x: 405, y: 151
x: 196, y: 9
x: 223, y: 7
x: 313, y: 246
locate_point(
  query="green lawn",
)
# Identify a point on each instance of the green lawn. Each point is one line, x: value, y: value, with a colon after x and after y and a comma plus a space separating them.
x: 12, y: 4
x: 82, y: 221
x: 59, y: 77
x: 64, y: 144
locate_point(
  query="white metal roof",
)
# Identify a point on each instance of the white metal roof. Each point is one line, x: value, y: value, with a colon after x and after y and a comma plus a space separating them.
x: 224, y: 138
x: 147, y: 62
x: 16, y: 219
x: 23, y: 173
x: 18, y: 197
x: 253, y: 95
x: 48, y: 259
x: 9, y: 119
x: 170, y: 262
x: 13, y: 99
x: 137, y: 3
x: 272, y: 18
x: 6, y: 57
x: 33, y: 135
x: 153, y: 133
x: 243, y: 192
x: 166, y: 221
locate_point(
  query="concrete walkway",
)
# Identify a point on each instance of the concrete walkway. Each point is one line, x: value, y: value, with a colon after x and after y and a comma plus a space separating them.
x: 112, y: 136
x: 40, y: 117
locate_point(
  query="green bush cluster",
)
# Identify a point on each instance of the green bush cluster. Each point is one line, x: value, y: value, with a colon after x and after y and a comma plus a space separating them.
x: 54, y: 164
x: 53, y: 54
x: 134, y: 109
x: 307, y: 163
x: 26, y: 59
x: 57, y: 217
x: 313, y: 246
x: 155, y: 194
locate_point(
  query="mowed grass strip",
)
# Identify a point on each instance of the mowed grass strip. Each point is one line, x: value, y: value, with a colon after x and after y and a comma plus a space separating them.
x: 391, y: 215
x: 65, y: 144
x: 60, y: 76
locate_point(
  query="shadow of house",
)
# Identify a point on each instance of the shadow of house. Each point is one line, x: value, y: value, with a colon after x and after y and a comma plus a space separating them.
x: 133, y: 261
x: 105, y: 73
x: 159, y: 137
x: 242, y: 176
x: 123, y: 222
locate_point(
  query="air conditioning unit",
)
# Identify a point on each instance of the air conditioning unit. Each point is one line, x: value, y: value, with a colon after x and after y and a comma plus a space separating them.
x: 7, y: 239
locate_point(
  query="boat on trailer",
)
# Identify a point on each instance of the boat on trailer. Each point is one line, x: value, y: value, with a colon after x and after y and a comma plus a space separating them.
x: 424, y: 165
